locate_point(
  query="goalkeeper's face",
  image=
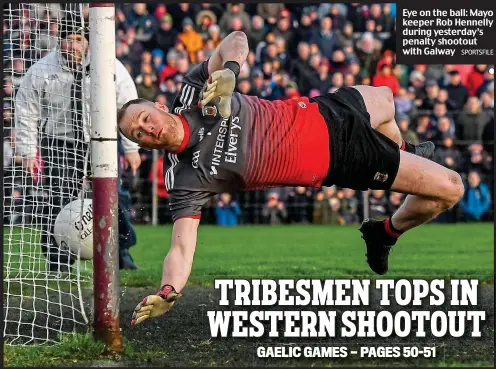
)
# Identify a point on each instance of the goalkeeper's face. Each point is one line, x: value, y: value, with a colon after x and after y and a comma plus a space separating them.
x: 150, y: 125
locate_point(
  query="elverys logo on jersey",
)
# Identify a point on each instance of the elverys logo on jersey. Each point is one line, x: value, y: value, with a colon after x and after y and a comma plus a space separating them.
x: 231, y: 154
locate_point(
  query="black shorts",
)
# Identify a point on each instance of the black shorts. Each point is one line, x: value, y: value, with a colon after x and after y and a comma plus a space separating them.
x: 361, y: 157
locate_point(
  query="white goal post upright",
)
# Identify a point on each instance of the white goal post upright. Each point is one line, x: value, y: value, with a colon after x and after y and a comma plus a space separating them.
x: 105, y: 175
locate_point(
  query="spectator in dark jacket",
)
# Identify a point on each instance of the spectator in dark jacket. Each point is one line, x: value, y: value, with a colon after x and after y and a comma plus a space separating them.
x: 432, y: 92
x: 368, y: 51
x: 227, y: 212
x: 166, y: 36
x: 378, y: 205
x: 326, y: 39
x: 349, y: 207
x: 257, y: 32
x: 477, y: 199
x: 303, y: 33
x: 472, y: 121
x: 445, y: 128
x: 274, y: 211
x: 448, y: 155
x: 235, y: 10
x: 457, y: 92
x: 270, y: 12
x: 387, y: 21
x: 476, y: 159
x: 300, y: 205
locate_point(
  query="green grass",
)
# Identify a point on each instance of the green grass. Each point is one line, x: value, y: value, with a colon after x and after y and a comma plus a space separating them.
x: 432, y: 251
x: 72, y: 349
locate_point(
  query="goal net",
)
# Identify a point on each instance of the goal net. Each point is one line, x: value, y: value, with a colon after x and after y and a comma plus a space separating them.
x: 45, y: 120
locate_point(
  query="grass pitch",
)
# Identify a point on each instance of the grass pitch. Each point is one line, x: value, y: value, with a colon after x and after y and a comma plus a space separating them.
x: 294, y: 251
x: 181, y: 339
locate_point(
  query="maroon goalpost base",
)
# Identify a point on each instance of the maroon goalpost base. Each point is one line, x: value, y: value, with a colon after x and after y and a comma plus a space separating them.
x: 106, y: 322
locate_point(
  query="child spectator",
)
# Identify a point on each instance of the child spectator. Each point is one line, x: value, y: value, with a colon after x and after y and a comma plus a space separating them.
x: 386, y: 78
x: 477, y: 199
x: 227, y: 212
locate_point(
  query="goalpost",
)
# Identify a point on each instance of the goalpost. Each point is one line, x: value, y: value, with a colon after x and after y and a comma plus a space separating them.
x: 39, y: 304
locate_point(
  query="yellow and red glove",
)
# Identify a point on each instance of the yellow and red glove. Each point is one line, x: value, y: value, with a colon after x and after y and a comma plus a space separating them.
x: 220, y: 86
x: 155, y: 305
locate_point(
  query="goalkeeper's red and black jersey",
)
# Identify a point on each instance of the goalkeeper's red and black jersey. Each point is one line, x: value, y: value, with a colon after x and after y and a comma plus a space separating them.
x: 263, y: 144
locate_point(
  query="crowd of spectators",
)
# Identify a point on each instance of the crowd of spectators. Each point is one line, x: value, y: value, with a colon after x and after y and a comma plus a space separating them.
x: 300, y: 49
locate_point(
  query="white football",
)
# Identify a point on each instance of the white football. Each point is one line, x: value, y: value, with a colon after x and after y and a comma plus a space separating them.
x: 73, y: 231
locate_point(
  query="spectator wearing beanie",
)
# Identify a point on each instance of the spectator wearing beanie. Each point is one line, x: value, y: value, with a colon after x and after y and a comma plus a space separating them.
x: 171, y: 66
x: 214, y: 35
x: 166, y: 36
x: 191, y: 39
x: 158, y: 60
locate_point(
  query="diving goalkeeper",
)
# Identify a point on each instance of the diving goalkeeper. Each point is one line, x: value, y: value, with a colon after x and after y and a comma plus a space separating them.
x: 221, y: 141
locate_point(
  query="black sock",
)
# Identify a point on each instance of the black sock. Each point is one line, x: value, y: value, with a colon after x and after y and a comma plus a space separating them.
x: 408, y: 147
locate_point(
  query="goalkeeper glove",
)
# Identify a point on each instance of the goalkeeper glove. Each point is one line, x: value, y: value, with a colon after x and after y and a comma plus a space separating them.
x: 155, y: 305
x: 221, y: 85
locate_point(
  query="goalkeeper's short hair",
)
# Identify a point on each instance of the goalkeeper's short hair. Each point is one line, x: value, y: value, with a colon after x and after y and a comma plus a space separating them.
x: 122, y: 111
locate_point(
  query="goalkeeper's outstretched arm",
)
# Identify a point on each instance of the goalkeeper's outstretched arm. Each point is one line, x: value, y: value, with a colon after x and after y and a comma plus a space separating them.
x: 224, y: 67
x: 234, y: 47
x: 176, y: 271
